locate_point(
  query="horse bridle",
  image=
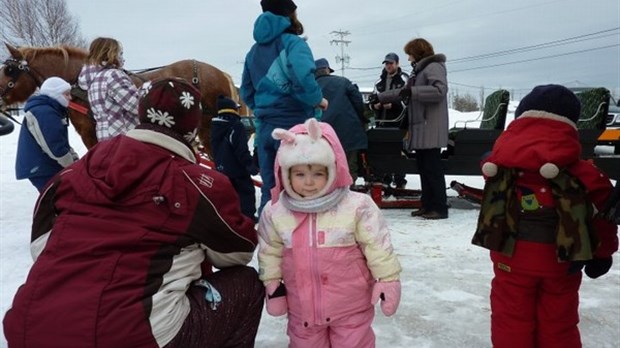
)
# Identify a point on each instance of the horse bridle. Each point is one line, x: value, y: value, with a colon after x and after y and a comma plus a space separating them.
x: 14, y: 68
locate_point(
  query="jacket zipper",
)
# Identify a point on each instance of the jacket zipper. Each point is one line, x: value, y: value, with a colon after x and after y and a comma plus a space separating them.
x: 315, y: 269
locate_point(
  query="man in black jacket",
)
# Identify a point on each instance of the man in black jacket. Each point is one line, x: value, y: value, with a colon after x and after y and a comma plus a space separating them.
x: 392, y: 77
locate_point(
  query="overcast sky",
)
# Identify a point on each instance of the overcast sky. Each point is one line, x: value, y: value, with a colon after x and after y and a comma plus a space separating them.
x: 488, y: 43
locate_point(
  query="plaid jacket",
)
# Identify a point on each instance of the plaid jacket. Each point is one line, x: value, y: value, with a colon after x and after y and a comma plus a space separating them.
x: 113, y: 99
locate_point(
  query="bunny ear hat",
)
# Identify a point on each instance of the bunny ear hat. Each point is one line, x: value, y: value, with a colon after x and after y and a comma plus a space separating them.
x: 312, y: 142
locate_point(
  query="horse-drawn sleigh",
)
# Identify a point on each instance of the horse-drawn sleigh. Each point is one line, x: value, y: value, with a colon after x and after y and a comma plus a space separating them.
x: 468, y: 145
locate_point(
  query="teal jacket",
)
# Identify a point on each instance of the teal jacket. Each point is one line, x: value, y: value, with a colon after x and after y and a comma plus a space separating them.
x: 278, y: 81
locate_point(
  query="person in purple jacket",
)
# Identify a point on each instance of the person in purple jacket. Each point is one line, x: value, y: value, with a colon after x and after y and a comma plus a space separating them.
x: 125, y: 242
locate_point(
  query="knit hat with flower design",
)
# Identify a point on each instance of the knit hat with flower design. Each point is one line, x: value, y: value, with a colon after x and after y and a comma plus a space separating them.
x: 171, y: 106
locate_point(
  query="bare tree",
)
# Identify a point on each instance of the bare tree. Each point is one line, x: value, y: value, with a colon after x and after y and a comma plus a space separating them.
x: 38, y: 23
x: 465, y: 103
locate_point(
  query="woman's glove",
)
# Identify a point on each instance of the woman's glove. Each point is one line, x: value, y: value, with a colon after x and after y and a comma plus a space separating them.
x: 389, y: 293
x: 597, y: 267
x: 275, y: 292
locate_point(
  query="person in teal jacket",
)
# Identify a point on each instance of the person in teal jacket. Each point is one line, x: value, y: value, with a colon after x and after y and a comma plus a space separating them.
x: 278, y: 82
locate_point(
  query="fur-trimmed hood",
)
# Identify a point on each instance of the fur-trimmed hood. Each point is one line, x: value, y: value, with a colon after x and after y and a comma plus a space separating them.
x: 310, y: 143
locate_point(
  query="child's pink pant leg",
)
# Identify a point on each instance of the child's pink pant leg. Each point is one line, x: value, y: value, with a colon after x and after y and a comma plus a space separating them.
x: 351, y: 331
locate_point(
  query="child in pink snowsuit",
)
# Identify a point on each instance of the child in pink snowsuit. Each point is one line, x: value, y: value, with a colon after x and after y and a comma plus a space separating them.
x: 325, y: 254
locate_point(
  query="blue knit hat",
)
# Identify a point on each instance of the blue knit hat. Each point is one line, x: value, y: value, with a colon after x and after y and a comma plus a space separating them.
x: 555, y: 99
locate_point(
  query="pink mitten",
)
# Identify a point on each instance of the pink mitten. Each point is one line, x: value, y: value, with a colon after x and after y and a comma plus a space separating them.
x: 276, y: 298
x: 389, y: 293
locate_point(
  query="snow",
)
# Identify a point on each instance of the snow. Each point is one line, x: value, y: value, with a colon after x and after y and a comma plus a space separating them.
x: 445, y: 279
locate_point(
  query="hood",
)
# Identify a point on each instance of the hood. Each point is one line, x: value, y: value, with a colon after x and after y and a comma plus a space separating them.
x: 341, y: 178
x: 119, y: 170
x: 268, y: 26
x: 43, y: 100
x: 87, y: 75
x: 534, y: 139
x: 424, y: 62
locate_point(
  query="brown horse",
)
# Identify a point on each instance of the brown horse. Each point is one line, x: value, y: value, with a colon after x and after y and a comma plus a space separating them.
x: 28, y: 67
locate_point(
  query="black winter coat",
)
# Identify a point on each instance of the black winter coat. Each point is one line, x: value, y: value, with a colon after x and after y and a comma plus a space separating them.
x: 229, y: 144
x: 345, y: 112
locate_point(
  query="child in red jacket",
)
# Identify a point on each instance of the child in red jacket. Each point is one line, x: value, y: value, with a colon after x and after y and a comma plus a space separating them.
x: 538, y: 218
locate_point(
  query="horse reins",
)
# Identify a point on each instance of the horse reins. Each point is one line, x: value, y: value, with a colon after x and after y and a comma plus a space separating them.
x: 9, y: 116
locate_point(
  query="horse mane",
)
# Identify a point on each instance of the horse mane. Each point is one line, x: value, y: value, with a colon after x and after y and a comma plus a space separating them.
x: 30, y: 53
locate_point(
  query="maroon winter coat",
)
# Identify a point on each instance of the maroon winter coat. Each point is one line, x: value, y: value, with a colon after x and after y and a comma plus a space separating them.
x: 118, y: 238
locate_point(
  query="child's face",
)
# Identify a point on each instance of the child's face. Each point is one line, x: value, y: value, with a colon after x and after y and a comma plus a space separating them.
x: 308, y: 180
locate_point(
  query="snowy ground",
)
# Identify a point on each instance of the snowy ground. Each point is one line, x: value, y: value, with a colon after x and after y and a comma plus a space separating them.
x: 446, y: 280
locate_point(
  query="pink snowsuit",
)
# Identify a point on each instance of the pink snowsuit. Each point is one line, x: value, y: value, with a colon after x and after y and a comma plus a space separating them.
x: 328, y: 260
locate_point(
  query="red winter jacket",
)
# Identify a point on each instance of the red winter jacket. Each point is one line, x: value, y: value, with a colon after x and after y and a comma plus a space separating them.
x: 118, y: 238
x: 530, y: 141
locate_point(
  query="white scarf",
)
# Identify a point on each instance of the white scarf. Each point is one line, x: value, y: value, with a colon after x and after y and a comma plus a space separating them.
x: 314, y: 205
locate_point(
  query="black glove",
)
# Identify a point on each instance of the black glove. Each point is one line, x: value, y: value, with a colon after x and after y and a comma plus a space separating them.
x: 598, y: 266
x: 405, y: 93
x: 373, y: 99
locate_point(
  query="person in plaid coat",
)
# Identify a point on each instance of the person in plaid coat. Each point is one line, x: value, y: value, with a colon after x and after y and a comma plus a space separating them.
x: 112, y: 95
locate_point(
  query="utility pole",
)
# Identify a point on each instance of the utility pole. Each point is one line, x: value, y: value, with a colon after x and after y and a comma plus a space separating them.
x: 342, y: 58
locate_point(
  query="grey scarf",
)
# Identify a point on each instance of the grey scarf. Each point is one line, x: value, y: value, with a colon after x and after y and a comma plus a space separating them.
x: 314, y: 205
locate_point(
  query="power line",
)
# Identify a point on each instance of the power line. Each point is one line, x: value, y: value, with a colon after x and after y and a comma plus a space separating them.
x: 566, y: 41
x: 534, y: 59
x: 554, y: 43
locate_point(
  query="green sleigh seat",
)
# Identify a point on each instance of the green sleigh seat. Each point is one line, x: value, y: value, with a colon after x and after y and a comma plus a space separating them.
x: 591, y: 124
x: 476, y: 141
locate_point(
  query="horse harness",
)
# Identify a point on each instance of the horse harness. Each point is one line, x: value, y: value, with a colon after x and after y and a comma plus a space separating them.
x: 195, y: 80
x: 14, y: 68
